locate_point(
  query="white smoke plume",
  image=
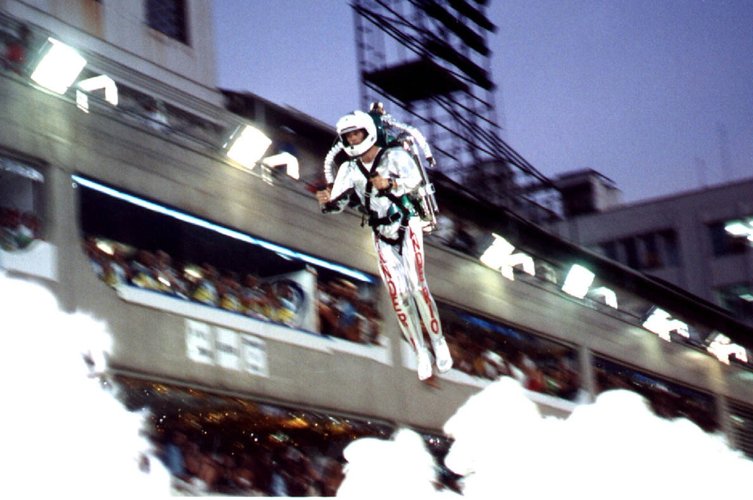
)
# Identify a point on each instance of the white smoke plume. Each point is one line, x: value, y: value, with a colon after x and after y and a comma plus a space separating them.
x: 613, y: 448
x: 64, y: 434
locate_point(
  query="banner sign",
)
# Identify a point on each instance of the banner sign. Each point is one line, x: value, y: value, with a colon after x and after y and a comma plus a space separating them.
x: 226, y: 348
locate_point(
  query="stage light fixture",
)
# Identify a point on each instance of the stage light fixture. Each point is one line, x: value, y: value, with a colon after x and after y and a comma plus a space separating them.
x: 741, y: 228
x: 723, y: 348
x: 247, y: 146
x: 101, y: 82
x: 607, y: 295
x: 59, y: 67
x: 662, y: 324
x: 284, y: 159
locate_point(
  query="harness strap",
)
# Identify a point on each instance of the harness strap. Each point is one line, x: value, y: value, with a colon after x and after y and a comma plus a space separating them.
x: 369, y: 174
x: 403, y: 215
x: 398, y: 240
x: 387, y: 219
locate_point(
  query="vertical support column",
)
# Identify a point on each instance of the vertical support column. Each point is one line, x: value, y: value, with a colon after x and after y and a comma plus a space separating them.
x: 61, y: 216
x: 725, y: 423
x: 360, y: 31
x: 587, y: 372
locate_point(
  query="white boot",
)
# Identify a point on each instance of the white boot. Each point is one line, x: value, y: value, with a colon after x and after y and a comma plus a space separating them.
x: 423, y: 360
x: 442, y: 354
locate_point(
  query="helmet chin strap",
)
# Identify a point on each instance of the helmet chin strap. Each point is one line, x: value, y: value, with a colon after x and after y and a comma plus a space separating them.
x: 373, y: 148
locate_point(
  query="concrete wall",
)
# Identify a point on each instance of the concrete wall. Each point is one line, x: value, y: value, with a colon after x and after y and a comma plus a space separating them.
x: 117, y: 31
x: 152, y: 340
x: 700, y: 271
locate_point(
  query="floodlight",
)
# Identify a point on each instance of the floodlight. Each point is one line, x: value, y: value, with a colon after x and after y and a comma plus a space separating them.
x: 106, y: 247
x: 59, y: 67
x: 743, y: 229
x: 578, y: 281
x: 607, y: 294
x: 495, y: 253
x: 248, y: 146
x: 723, y: 349
x: 522, y: 261
x: 284, y: 159
x: 101, y: 82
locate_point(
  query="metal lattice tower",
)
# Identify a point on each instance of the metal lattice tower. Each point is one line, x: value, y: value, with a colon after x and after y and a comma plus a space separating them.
x: 430, y: 63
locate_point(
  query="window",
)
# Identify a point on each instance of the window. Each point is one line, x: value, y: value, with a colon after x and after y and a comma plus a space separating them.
x: 140, y: 243
x: 741, y: 417
x: 667, y: 399
x: 168, y: 17
x: 668, y: 241
x: 645, y: 251
x: 20, y: 200
x: 723, y: 243
x: 650, y: 252
x: 631, y: 252
x: 738, y: 299
x: 609, y: 249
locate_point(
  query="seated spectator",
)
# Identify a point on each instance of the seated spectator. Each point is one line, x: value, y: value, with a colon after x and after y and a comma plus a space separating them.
x: 345, y: 310
x: 16, y: 48
x: 168, y: 276
x: 206, y: 288
x: 461, y: 348
x: 173, y: 455
x: 290, y: 298
x: 493, y: 364
x: 17, y: 230
x: 155, y: 115
x: 96, y: 258
x: 144, y: 271
x: 462, y: 240
x: 229, y: 290
x: 445, y: 231
x: 325, y: 301
x: 9, y: 219
x: 243, y: 478
x: 369, y: 323
x: 330, y: 476
x: 252, y: 297
x: 270, y: 303
x: 116, y: 271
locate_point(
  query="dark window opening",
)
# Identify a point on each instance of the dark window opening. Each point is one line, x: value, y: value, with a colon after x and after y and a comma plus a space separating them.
x: 168, y: 17
x: 20, y: 204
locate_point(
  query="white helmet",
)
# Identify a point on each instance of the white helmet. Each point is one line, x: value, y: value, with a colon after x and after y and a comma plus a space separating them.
x: 357, y: 120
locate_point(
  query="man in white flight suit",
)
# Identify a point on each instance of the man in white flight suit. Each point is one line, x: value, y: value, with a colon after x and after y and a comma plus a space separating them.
x: 385, y: 180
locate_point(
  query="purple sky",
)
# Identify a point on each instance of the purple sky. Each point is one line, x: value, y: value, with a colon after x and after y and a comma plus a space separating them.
x: 655, y: 94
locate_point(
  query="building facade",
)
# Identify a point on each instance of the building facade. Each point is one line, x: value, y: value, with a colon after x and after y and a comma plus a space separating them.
x: 218, y: 279
x: 681, y: 239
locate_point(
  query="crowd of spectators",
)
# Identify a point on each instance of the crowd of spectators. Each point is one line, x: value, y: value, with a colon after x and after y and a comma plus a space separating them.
x: 268, y: 460
x: 342, y: 313
x: 456, y: 233
x: 15, y: 47
x: 269, y: 465
x: 666, y: 399
x: 345, y: 314
x: 548, y: 370
x: 17, y: 228
x: 215, y: 444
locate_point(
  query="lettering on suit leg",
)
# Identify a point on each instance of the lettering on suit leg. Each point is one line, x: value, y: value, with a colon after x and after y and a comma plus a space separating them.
x: 402, y: 317
x: 419, y: 255
x: 434, y: 323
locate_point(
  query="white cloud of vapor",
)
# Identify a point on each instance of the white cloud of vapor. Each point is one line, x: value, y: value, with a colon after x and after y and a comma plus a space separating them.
x: 63, y: 434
